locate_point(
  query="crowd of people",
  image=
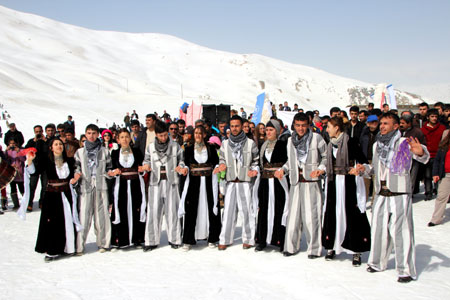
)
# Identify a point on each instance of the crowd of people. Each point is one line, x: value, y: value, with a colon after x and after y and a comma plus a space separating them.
x: 314, y: 176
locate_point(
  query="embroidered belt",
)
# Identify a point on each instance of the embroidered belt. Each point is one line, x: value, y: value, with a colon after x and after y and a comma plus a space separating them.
x: 129, y: 173
x: 270, y: 169
x: 301, y: 178
x: 343, y: 170
x: 57, y: 185
x: 385, y: 192
x: 201, y: 169
x: 163, y: 173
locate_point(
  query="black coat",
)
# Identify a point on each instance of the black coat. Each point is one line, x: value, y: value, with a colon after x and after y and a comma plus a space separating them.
x: 439, y: 164
x: 120, y: 232
x: 192, y: 197
x: 279, y: 155
x: 52, y: 231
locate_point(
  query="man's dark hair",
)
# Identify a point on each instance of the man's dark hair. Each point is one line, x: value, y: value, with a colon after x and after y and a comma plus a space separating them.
x: 377, y: 112
x: 424, y: 104
x: 181, y: 121
x: 61, y: 126
x: 69, y: 130
x: 135, y: 122
x: 365, y: 112
x: 310, y: 115
x: 354, y: 108
x: 36, y: 126
x: 153, y: 116
x: 334, y: 110
x: 300, y: 117
x: 325, y: 117
x: 392, y: 116
x: 222, y: 122
x: 370, y: 104
x: 408, y: 118
x: 384, y: 105
x: 236, y: 117
x: 439, y: 104
x: 69, y: 116
x: 50, y: 125
x: 92, y: 127
x: 433, y: 111
x: 160, y: 127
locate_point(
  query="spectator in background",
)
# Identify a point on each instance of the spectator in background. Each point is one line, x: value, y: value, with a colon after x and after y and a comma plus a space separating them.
x: 335, y: 112
x: 355, y: 127
x: 363, y: 114
x: 252, y: 128
x: 295, y: 108
x: 70, y: 123
x: 243, y: 113
x: 135, y: 129
x: 423, y: 111
x: 222, y: 130
x: 127, y: 121
x: 70, y: 143
x: 370, y: 107
x: 246, y: 129
x: 50, y: 131
x: 286, y: 106
x: 188, y: 137
x: 134, y: 115
x: 13, y: 133
x: 18, y: 162
x: 173, y: 132
x: 408, y: 130
x: 260, y: 135
x: 61, y: 132
x: 441, y: 108
x: 146, y: 136
x: 385, y: 108
x: 166, y: 117
x: 433, y: 131
x: 366, y: 140
x: 181, y: 126
x: 280, y: 107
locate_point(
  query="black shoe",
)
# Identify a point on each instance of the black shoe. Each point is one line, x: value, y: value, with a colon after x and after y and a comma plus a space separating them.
x: 428, y: 197
x: 330, y: 255
x: 404, y: 279
x: 149, y: 248
x: 371, y: 270
x: 287, y: 254
x: 356, y: 260
x: 431, y: 224
x: 49, y: 258
x: 173, y: 246
x: 1, y: 212
x: 311, y: 256
x: 260, y: 247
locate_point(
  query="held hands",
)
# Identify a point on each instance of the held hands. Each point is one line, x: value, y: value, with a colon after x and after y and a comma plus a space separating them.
x: 279, y: 174
x: 114, y: 173
x: 357, y: 170
x: 75, y: 178
x: 144, y: 168
x: 181, y: 171
x: 316, y: 173
x: 435, y: 179
x: 220, y: 168
x: 415, y: 146
x: 252, y: 173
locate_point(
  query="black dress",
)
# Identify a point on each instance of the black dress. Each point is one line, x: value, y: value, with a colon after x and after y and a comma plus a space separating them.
x: 120, y: 233
x: 279, y: 156
x: 51, y: 237
x: 357, y: 233
x: 192, y: 199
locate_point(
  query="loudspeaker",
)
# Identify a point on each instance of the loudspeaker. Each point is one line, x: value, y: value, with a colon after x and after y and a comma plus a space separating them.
x: 209, y: 112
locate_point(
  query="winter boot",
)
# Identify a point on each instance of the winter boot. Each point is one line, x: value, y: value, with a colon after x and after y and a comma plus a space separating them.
x: 4, y: 203
x: 15, y: 200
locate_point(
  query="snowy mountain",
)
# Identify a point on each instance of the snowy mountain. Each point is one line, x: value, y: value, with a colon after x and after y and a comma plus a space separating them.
x: 49, y: 69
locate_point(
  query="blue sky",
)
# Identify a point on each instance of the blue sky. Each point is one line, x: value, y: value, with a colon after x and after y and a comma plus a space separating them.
x: 402, y: 42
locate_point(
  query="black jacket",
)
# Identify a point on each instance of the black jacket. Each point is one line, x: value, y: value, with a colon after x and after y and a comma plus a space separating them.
x: 357, y: 130
x: 439, y: 164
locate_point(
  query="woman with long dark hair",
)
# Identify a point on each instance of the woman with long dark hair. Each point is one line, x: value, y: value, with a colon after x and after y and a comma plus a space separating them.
x: 199, y: 201
x: 260, y: 135
x: 345, y: 224
x: 59, y: 216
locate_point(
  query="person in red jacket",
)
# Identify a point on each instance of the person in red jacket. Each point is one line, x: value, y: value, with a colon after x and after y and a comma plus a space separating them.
x: 432, y: 130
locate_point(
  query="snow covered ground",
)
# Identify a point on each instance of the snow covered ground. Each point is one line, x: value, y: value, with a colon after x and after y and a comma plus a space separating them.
x: 205, y: 273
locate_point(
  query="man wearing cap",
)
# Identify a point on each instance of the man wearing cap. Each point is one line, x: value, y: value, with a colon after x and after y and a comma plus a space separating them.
x: 306, y: 162
x: 239, y: 156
